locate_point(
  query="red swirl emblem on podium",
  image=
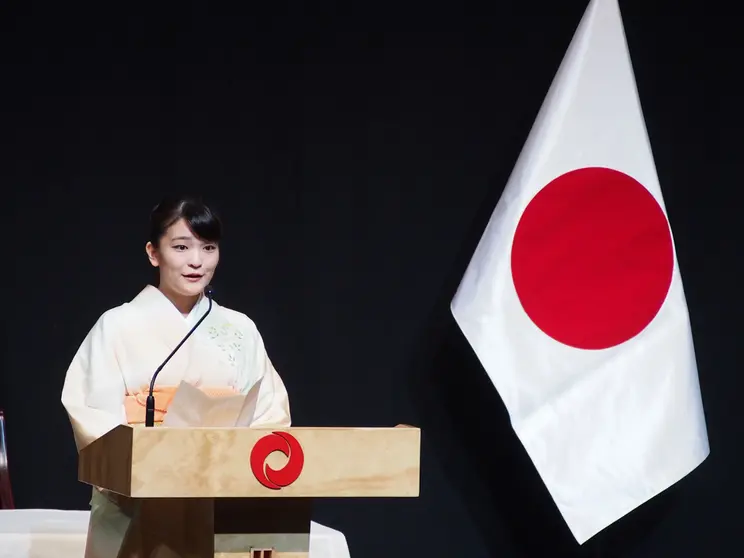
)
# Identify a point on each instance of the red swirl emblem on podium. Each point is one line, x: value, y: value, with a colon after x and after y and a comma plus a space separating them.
x: 288, y: 445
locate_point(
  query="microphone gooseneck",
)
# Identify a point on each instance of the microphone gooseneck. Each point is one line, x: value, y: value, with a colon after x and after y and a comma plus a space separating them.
x: 150, y: 402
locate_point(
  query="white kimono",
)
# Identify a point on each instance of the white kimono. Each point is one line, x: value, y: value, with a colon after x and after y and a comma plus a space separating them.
x: 108, y: 379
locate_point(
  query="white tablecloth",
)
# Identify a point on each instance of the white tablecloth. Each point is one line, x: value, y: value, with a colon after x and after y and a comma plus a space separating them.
x: 62, y: 533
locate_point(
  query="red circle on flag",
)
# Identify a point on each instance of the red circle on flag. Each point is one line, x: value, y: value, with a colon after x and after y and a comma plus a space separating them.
x: 592, y: 258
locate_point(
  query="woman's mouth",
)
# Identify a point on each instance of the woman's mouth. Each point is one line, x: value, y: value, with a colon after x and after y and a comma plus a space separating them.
x: 193, y: 277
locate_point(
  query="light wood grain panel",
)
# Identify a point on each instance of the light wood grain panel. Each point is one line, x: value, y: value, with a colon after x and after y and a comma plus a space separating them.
x: 215, y: 462
x: 107, y: 462
x: 338, y: 462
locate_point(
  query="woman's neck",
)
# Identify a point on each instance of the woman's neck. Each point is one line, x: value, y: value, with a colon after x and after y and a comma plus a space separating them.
x: 185, y: 304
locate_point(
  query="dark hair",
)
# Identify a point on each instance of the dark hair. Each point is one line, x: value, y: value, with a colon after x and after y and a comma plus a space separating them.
x: 202, y: 221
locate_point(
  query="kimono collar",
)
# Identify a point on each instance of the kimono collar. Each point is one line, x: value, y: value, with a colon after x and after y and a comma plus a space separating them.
x: 152, y: 296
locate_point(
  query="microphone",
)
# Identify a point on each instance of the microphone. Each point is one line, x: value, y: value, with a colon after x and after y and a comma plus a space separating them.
x: 150, y: 403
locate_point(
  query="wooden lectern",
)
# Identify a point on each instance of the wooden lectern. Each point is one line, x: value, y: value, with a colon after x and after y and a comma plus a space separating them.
x: 242, y: 492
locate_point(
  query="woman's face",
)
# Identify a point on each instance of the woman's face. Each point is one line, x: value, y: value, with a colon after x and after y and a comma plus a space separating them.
x: 186, y: 263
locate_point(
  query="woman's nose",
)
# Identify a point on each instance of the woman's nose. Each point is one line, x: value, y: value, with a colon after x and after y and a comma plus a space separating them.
x: 195, y: 260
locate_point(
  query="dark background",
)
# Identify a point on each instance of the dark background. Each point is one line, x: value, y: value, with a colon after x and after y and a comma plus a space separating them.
x: 355, y: 151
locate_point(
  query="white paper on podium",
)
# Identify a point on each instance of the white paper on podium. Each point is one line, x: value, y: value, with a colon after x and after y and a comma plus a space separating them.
x: 192, y: 407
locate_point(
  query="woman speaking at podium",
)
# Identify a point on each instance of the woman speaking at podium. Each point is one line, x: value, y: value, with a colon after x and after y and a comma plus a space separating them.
x: 108, y: 381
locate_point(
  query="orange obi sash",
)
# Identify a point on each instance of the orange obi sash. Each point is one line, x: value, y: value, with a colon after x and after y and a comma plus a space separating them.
x: 134, y: 404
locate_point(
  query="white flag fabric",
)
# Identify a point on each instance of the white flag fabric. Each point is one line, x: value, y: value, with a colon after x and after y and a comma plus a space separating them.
x: 573, y: 300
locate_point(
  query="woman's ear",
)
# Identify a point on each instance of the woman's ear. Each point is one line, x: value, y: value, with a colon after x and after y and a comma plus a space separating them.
x: 152, y: 254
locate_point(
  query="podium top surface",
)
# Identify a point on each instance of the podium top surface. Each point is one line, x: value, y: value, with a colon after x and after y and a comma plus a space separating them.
x: 209, y: 462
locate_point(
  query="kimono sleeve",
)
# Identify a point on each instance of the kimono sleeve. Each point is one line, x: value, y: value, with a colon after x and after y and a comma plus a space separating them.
x: 272, y: 407
x: 94, y: 389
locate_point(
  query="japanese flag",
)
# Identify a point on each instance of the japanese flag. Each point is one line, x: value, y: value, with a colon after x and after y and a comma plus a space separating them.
x: 573, y: 300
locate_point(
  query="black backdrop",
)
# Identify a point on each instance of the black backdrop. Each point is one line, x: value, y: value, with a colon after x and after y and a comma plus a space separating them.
x: 355, y: 154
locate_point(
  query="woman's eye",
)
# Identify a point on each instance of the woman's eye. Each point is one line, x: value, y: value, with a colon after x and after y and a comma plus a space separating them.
x: 179, y: 247
x: 210, y: 248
